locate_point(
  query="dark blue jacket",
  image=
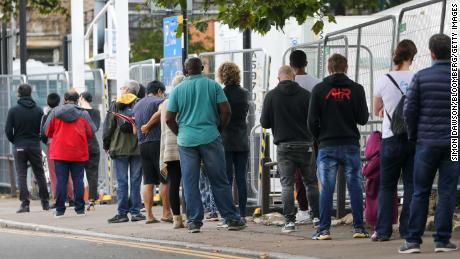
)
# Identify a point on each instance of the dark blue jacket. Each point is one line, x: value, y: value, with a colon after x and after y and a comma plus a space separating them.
x: 427, y: 106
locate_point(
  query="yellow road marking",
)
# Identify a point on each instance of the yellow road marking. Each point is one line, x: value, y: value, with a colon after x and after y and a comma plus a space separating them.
x: 146, y: 246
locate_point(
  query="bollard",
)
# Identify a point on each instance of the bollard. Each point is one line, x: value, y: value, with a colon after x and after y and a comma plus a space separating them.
x: 265, y: 173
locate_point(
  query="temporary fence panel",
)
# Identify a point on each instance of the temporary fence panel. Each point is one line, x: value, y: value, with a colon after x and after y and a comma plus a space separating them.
x: 46, y: 83
x: 313, y: 50
x: 370, y: 48
x: 8, y: 92
x: 418, y: 23
x: 143, y: 71
x: 254, y: 65
x: 168, y: 69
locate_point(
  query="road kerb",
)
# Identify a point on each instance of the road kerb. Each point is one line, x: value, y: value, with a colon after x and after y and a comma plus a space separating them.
x: 197, y: 246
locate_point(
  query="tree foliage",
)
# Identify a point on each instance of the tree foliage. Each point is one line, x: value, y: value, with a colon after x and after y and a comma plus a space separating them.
x: 10, y: 8
x: 260, y: 15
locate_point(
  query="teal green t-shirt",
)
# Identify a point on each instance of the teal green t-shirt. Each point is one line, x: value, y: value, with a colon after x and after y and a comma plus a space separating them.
x: 196, y: 101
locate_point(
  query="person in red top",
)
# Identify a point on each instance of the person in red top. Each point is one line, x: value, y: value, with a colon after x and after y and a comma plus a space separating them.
x: 70, y: 127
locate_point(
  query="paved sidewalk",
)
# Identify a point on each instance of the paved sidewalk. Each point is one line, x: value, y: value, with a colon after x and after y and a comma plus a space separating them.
x: 263, y: 239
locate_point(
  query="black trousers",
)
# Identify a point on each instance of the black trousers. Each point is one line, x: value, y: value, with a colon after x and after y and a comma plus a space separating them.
x: 32, y: 155
x: 174, y: 175
x: 92, y: 172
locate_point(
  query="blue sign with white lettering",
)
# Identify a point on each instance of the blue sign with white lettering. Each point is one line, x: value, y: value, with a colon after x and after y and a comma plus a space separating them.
x: 172, y: 46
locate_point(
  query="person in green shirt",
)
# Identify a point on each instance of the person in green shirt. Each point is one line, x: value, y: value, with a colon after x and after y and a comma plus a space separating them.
x: 202, y: 112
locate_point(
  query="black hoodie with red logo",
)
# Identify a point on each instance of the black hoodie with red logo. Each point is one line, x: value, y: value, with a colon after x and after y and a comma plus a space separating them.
x: 337, y: 105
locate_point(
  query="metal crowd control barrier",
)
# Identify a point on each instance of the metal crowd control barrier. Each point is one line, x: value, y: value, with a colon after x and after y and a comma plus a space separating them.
x: 46, y: 83
x: 8, y: 88
x: 143, y: 71
x: 418, y: 23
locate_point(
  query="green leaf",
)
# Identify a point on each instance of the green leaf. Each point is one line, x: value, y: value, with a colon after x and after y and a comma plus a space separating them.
x: 318, y: 27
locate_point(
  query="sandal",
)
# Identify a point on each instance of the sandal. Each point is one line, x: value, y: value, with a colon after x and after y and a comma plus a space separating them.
x: 151, y: 221
x: 167, y: 220
x: 91, y: 205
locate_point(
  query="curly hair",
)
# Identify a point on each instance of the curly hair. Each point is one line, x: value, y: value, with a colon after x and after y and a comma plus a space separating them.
x: 229, y: 74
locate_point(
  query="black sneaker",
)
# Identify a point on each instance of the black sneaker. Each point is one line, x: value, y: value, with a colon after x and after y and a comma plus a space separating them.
x: 23, y: 209
x: 118, y: 219
x: 376, y: 238
x: 45, y: 205
x: 194, y: 228
x: 58, y: 215
x: 235, y: 225
x: 409, y: 248
x: 138, y: 217
x: 71, y: 204
x: 81, y: 213
x: 443, y: 247
x: 360, y: 233
x: 322, y: 235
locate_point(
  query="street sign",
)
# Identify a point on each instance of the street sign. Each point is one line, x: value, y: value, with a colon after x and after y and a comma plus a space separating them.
x: 172, y: 46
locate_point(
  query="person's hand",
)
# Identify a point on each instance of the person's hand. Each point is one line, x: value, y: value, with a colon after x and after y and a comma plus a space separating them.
x: 145, y: 129
x: 381, y: 113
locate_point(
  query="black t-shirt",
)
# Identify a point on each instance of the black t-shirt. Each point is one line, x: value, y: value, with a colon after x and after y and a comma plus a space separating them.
x: 235, y: 136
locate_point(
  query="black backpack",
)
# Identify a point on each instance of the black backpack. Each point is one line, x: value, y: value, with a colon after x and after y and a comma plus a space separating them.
x: 397, y: 124
x: 127, y: 110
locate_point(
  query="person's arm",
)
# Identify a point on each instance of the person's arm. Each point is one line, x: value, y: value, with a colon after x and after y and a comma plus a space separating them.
x: 153, y: 120
x: 43, y: 137
x: 314, y: 113
x: 265, y: 117
x: 49, y: 125
x: 362, y: 111
x: 378, y: 101
x: 91, y: 130
x: 108, y: 130
x: 378, y: 106
x: 171, y: 122
x: 412, y: 108
x: 9, y: 126
x: 225, y: 114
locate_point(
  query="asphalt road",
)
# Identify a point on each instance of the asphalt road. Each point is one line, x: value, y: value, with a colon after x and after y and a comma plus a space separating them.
x: 19, y: 244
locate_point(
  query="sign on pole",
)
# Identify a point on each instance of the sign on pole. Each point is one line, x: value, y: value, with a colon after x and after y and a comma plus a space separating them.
x: 172, y: 48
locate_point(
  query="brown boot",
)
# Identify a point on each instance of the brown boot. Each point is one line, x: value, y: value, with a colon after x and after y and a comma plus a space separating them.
x: 177, y: 222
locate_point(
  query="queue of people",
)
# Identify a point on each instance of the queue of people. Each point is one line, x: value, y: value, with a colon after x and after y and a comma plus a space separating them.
x: 199, y: 132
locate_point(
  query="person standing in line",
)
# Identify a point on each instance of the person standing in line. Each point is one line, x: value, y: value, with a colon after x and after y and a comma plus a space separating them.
x: 53, y: 101
x: 397, y: 153
x: 169, y: 160
x: 92, y: 166
x: 298, y: 62
x: 149, y: 145
x: 285, y: 111
x: 203, y: 113
x: 22, y: 128
x: 70, y: 127
x: 235, y: 136
x: 337, y: 105
x: 121, y: 144
x: 427, y: 113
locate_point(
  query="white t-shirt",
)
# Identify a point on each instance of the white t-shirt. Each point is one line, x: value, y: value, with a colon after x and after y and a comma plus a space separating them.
x: 307, y: 82
x: 390, y: 95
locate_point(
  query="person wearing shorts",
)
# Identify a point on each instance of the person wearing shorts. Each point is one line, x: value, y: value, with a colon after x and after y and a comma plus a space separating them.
x: 149, y: 145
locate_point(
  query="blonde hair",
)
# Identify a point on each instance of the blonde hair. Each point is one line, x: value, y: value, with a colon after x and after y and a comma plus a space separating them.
x: 178, y: 78
x: 286, y: 72
x: 229, y: 74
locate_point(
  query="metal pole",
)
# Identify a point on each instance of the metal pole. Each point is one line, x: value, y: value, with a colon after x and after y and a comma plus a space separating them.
x: 443, y: 16
x: 265, y: 177
x: 184, y: 38
x: 65, y: 53
x: 358, y: 52
x: 23, y: 36
x: 4, y: 52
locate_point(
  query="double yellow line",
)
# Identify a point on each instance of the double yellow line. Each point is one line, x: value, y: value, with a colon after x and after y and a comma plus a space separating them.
x: 145, y: 246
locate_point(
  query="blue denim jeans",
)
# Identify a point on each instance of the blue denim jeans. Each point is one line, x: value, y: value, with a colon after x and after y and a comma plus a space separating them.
x: 213, y: 157
x: 396, y: 155
x: 131, y: 203
x: 76, y: 170
x: 427, y: 161
x: 329, y: 158
x: 237, y: 165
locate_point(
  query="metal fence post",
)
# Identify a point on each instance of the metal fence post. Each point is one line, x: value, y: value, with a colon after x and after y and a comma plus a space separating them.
x: 12, y: 176
x: 265, y: 174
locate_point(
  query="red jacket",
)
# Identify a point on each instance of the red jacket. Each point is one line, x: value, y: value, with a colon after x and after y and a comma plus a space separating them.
x: 70, y: 128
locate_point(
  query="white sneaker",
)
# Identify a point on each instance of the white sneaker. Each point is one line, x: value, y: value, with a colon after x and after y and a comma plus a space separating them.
x: 288, y: 227
x: 303, y: 217
x: 316, y: 222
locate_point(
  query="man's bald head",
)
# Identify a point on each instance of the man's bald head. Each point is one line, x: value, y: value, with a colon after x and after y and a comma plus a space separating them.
x: 193, y: 66
x: 286, y: 73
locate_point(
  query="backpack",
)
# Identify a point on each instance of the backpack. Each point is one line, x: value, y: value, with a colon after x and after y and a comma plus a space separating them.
x: 397, y: 124
x: 127, y: 110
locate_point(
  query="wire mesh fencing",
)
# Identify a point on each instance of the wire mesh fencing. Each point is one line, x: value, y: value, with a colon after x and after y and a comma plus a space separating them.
x: 143, y: 71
